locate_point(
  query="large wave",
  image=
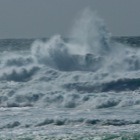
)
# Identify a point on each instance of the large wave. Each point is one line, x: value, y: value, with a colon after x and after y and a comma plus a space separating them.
x: 57, y: 72
x: 90, y: 49
x: 86, y: 50
x: 82, y: 88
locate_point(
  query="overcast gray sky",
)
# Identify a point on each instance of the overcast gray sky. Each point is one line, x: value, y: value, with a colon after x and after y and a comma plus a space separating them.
x: 44, y: 18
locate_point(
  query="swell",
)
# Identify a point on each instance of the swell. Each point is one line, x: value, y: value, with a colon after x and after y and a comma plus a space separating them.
x: 117, y: 86
x: 67, y: 121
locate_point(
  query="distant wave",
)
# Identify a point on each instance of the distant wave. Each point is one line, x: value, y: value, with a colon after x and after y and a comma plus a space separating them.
x: 117, y: 85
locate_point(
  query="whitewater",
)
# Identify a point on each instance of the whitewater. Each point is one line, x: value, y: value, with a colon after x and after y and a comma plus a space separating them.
x: 84, y: 87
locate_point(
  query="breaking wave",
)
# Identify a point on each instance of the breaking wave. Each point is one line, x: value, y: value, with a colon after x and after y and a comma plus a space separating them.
x: 90, y: 49
x: 70, y: 74
x: 70, y: 89
x: 86, y: 51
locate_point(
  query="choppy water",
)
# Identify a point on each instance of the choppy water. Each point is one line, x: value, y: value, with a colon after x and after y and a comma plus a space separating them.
x: 83, y: 88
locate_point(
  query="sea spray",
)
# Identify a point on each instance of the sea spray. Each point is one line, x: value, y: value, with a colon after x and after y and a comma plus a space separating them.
x: 85, y: 51
x: 86, y: 85
x: 89, y: 49
x: 91, y: 33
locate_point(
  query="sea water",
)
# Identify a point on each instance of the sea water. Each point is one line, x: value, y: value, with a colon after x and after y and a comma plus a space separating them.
x: 85, y: 87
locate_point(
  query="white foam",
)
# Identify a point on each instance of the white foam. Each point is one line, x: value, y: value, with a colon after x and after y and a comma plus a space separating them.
x: 65, y: 73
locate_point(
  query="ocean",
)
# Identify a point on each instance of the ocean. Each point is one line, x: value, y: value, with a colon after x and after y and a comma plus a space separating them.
x: 82, y: 88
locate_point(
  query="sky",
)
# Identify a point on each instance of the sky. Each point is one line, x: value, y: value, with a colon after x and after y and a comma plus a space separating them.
x: 45, y: 18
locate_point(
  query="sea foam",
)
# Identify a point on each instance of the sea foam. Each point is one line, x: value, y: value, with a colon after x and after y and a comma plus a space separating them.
x: 72, y: 73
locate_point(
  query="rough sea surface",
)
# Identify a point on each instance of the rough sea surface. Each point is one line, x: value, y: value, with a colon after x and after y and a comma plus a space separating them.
x: 85, y: 88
